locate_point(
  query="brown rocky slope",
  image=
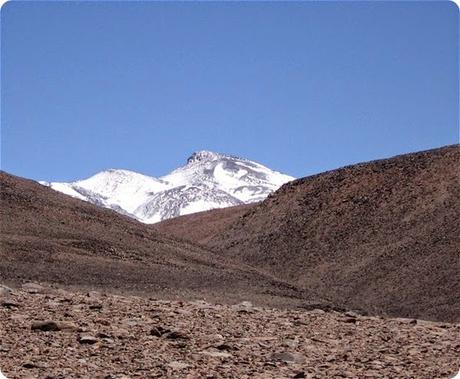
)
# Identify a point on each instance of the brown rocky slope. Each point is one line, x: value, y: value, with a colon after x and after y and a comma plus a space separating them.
x: 382, y: 237
x: 49, y: 237
x: 201, y: 227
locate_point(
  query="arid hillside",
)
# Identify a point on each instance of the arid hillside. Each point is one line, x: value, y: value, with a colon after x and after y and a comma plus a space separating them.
x: 382, y: 237
x: 49, y: 237
x: 202, y: 226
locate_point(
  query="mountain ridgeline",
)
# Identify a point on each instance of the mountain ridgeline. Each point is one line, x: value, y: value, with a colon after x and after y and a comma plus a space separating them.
x: 208, y: 180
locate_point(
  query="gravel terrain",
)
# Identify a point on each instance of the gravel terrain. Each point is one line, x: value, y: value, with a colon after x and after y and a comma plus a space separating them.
x: 53, y: 333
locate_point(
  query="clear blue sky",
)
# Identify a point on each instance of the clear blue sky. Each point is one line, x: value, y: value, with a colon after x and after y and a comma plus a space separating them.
x: 300, y: 87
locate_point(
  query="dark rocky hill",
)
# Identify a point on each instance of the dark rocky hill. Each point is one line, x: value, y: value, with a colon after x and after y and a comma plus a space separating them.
x: 383, y: 236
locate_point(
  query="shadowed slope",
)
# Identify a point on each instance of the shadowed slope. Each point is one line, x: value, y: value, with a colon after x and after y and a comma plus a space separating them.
x: 383, y: 236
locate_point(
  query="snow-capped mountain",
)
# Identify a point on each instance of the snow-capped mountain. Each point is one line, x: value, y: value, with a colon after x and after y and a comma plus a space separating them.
x: 208, y: 180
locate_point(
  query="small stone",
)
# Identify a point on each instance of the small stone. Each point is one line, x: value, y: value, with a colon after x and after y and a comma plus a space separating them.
x: 45, y: 326
x: 93, y: 294
x: 330, y: 358
x: 287, y: 357
x: 246, y: 304
x: 102, y: 321
x: 300, y: 374
x: 181, y: 345
x: 289, y: 342
x: 67, y: 326
x: 217, y: 354
x: 158, y: 331
x: 5, y: 291
x: 33, y: 288
x: 244, y: 307
x: 175, y: 335
x: 86, y: 339
x: 176, y: 365
x: 9, y: 304
x: 318, y: 311
x: 102, y: 335
x: 29, y: 365
x: 53, y: 326
x: 224, y: 346
x: 351, y: 314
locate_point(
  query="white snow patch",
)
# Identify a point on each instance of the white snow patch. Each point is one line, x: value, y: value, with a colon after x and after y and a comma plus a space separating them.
x: 223, y: 181
x: 67, y: 189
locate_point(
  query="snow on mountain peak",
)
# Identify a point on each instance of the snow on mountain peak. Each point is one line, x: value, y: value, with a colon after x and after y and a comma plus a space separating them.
x: 204, y: 155
x: 208, y: 180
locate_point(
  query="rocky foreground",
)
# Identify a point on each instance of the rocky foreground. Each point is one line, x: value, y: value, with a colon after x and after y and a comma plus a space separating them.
x: 53, y: 333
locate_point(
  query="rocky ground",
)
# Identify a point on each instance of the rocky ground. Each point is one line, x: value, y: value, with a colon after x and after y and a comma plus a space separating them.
x: 53, y: 333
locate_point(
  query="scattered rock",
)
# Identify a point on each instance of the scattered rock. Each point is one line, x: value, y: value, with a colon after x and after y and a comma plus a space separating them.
x: 289, y: 342
x: 86, y: 339
x: 216, y: 354
x: 102, y: 335
x: 9, y: 304
x: 244, y: 307
x: 268, y: 343
x: 175, y: 335
x: 67, y: 326
x: 225, y: 347
x: 5, y: 291
x: 318, y: 311
x: 158, y: 331
x: 287, y: 357
x: 29, y: 365
x: 45, y: 326
x: 176, y: 365
x: 53, y: 326
x: 351, y: 314
x: 245, y: 304
x: 33, y: 288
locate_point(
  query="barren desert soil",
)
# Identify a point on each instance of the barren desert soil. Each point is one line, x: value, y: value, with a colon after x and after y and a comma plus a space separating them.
x: 52, y: 333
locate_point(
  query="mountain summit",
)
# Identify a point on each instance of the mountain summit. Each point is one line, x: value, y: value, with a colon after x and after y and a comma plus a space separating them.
x: 204, y: 155
x: 208, y: 180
